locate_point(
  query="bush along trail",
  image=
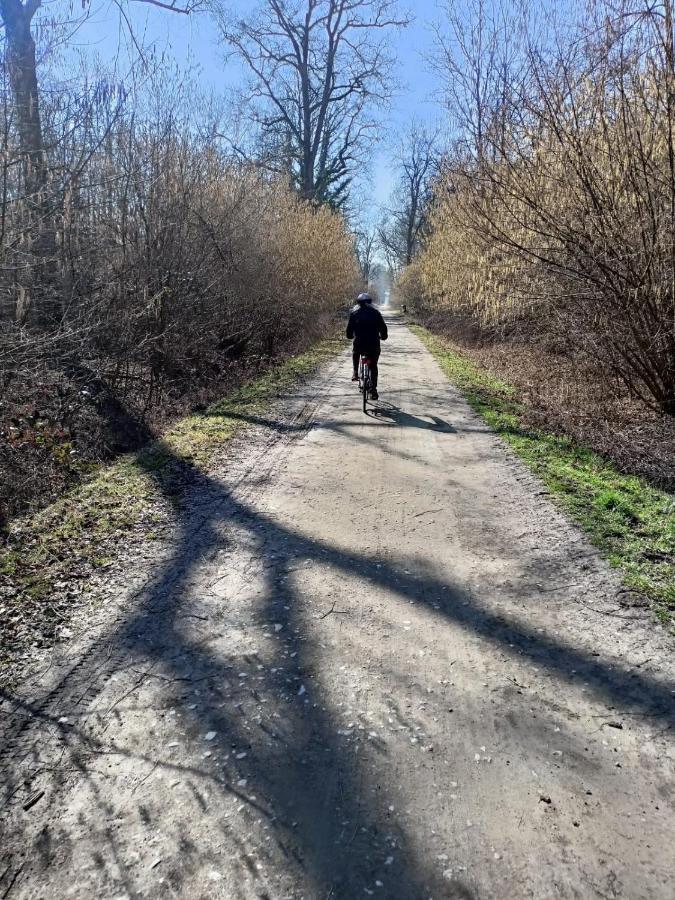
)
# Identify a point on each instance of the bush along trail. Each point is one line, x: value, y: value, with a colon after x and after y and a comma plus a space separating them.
x: 628, y: 519
x: 51, y: 561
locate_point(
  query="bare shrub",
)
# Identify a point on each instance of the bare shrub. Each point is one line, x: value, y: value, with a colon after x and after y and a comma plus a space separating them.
x: 561, y: 223
x: 174, y: 270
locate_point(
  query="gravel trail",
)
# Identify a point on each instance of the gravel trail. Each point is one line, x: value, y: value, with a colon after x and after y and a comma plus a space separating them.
x: 372, y: 660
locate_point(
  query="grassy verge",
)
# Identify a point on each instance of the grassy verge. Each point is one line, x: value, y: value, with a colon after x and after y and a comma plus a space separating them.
x: 47, y: 557
x: 631, y: 522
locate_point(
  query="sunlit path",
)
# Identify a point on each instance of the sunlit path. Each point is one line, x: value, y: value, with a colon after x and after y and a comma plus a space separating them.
x: 376, y: 661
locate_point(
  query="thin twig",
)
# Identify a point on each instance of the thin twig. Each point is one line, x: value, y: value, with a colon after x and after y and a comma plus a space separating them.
x: 11, y: 883
x: 337, y: 612
x: 143, y: 780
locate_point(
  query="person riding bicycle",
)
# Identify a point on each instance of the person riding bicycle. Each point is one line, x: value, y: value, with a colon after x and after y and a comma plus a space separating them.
x: 367, y: 327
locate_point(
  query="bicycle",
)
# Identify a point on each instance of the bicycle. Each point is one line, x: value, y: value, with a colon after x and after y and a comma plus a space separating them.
x: 365, y: 380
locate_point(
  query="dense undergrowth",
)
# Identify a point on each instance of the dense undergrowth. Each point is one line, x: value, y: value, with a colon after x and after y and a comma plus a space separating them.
x: 200, y: 272
x: 628, y: 519
x: 49, y: 557
x: 552, y: 218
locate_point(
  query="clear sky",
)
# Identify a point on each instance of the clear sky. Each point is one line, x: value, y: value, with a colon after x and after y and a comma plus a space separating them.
x: 193, y: 41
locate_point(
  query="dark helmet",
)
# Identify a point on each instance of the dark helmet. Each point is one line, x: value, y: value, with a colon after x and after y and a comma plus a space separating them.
x: 364, y: 298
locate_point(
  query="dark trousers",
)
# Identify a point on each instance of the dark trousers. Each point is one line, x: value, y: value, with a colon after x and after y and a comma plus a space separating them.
x: 373, y: 355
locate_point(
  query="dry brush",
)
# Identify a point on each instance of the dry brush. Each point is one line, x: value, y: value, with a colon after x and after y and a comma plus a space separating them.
x: 170, y: 272
x: 560, y: 225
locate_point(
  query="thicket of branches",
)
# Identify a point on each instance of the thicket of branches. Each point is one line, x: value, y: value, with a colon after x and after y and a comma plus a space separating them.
x: 555, y: 214
x: 143, y: 270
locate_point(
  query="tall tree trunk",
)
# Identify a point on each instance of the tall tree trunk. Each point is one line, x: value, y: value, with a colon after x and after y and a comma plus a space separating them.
x: 23, y: 80
x: 21, y: 65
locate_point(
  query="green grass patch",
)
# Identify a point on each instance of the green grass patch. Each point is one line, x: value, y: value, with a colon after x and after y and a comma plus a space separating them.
x: 46, y: 553
x: 628, y: 519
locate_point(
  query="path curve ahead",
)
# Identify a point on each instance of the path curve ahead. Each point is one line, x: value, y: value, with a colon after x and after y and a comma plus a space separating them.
x: 373, y: 660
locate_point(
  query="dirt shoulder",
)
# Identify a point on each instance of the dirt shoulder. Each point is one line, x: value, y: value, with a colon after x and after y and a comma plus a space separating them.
x: 628, y: 518
x: 58, y: 562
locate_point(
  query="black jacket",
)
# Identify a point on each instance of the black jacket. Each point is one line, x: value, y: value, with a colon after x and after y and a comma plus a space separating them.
x: 367, y: 327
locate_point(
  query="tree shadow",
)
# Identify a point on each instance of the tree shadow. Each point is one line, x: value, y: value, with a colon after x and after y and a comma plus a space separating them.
x: 282, y: 741
x: 273, y: 735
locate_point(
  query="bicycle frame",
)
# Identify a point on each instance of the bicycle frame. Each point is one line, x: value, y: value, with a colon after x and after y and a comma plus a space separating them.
x: 364, y: 379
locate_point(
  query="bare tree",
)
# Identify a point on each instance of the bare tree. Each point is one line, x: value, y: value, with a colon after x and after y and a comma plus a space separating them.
x: 18, y: 18
x: 402, y: 231
x: 366, y: 240
x: 476, y: 49
x: 318, y: 67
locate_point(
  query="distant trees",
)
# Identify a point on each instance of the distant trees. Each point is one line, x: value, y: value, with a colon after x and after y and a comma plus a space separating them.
x: 366, y: 239
x: 406, y: 216
x: 319, y: 69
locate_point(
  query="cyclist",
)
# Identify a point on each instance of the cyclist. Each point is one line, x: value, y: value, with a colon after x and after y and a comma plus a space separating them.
x: 367, y: 327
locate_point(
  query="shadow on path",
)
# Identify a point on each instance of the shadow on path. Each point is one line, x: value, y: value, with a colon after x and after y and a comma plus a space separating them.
x: 385, y: 411
x: 330, y: 829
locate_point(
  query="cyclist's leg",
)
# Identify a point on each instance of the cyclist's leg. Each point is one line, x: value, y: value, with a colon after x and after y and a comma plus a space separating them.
x: 356, y: 357
x: 374, y: 357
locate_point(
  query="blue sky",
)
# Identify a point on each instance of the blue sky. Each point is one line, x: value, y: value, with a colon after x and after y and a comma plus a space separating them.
x: 193, y: 40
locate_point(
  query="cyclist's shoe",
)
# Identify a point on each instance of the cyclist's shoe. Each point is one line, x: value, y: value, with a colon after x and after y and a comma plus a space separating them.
x: 374, y: 394
x: 355, y: 376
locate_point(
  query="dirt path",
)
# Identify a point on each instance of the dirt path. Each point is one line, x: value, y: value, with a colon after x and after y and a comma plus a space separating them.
x: 373, y: 660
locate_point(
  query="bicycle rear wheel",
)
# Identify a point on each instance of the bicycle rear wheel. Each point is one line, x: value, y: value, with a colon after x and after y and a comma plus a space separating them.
x: 366, y: 386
